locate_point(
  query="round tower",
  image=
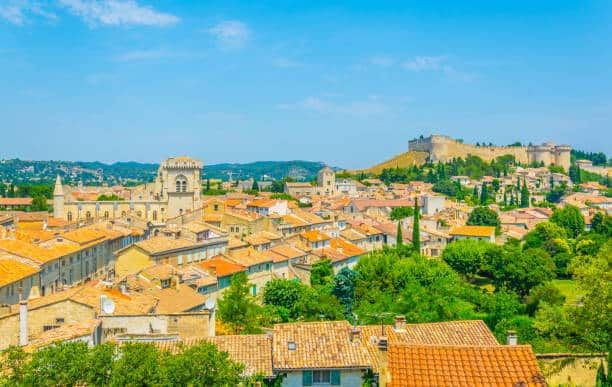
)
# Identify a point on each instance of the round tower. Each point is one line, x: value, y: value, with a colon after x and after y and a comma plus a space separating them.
x: 58, y: 199
x: 562, y: 156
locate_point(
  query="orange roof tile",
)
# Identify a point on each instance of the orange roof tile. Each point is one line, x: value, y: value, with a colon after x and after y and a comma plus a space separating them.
x: 315, y: 236
x: 12, y: 270
x: 323, y: 344
x: 479, y: 231
x: 221, y: 266
x: 283, y: 253
x: 435, y: 365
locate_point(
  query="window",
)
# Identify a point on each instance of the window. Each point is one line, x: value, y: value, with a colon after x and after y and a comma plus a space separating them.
x: 69, y: 216
x: 88, y: 215
x: 180, y: 259
x: 321, y: 377
x: 181, y: 183
x: 105, y: 214
x: 154, y: 215
x: 216, y: 207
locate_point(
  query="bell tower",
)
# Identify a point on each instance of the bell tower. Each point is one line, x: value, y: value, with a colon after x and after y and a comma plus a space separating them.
x: 58, y: 199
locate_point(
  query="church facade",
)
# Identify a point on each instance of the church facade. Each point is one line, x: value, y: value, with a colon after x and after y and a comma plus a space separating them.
x: 176, y: 190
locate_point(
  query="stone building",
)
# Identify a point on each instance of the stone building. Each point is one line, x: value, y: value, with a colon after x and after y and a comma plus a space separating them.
x: 443, y: 149
x: 176, y: 190
x: 326, y: 185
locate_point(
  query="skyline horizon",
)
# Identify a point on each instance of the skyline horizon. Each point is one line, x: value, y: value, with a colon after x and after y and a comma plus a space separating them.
x: 348, y: 82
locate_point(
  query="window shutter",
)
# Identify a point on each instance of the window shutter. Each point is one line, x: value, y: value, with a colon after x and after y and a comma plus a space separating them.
x: 307, y: 378
x: 335, y: 378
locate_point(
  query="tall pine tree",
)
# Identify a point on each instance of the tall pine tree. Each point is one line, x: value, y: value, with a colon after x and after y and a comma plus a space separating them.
x: 524, y: 195
x: 483, y: 194
x: 416, y: 232
x: 400, y: 236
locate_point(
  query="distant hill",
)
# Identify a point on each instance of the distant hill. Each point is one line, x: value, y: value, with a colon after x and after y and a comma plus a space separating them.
x: 131, y: 172
x: 403, y: 160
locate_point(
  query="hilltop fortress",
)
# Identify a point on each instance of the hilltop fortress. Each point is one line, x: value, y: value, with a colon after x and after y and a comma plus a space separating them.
x: 443, y: 148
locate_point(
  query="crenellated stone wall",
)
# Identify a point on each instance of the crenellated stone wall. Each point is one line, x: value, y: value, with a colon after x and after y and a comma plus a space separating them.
x: 443, y: 148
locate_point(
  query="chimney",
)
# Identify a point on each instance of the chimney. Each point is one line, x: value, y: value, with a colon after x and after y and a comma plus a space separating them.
x: 23, y: 319
x: 512, y: 338
x: 355, y: 332
x: 400, y: 323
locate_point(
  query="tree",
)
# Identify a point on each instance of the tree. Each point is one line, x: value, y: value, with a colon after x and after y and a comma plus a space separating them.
x: 483, y: 216
x: 399, y: 213
x: 505, y: 202
x: 543, y: 233
x: 570, y: 218
x: 237, y: 308
x: 475, y: 193
x: 524, y: 195
x: 520, y: 270
x: 255, y: 186
x: 201, y: 365
x: 602, y: 224
x: 484, y: 194
x: 284, y: 295
x: 61, y: 364
x: 400, y: 237
x: 138, y: 364
x: 600, y: 379
x: 207, y: 185
x: 39, y: 203
x: 416, y: 231
x: 593, y: 275
x: 466, y: 256
x: 344, y: 289
x: 321, y: 273
x: 574, y: 174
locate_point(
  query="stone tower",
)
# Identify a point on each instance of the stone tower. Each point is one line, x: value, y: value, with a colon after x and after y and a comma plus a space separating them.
x: 58, y: 199
x: 179, y: 183
x: 326, y: 180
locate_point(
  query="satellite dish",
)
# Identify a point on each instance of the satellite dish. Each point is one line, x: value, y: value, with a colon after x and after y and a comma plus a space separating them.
x: 210, y: 304
x: 108, y: 306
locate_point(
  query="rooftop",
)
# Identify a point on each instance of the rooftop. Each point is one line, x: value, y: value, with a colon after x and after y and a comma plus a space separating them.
x: 478, y: 231
x: 221, y: 266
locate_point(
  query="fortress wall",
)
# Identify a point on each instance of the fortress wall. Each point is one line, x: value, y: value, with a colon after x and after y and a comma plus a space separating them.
x: 444, y: 148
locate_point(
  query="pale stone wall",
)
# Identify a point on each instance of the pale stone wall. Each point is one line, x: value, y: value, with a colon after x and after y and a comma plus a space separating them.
x: 444, y: 149
x: 70, y: 311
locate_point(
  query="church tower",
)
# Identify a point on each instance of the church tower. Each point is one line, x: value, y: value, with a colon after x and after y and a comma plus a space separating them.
x: 58, y: 199
x: 326, y: 181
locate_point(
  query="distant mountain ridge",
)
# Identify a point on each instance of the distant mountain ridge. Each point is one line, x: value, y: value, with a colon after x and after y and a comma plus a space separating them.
x: 132, y: 172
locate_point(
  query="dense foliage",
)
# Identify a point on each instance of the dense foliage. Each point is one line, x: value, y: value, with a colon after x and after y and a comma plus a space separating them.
x: 139, y: 364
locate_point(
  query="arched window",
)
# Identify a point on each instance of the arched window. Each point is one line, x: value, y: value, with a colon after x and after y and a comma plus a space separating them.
x: 105, y: 214
x: 69, y: 216
x: 181, y: 183
x: 155, y: 215
x: 88, y: 215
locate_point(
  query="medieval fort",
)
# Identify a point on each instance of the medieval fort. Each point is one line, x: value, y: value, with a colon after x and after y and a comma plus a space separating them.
x: 443, y: 148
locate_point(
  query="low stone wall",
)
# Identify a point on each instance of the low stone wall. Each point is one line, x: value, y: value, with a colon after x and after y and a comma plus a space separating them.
x: 572, y: 369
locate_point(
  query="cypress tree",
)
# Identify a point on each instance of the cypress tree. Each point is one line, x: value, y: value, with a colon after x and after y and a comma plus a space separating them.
x: 207, y: 185
x: 255, y: 186
x: 483, y: 194
x: 505, y: 199
x: 400, y: 236
x: 524, y: 195
x: 475, y: 192
x: 416, y: 232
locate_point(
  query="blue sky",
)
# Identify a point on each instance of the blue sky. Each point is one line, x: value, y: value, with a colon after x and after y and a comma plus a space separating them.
x: 347, y: 83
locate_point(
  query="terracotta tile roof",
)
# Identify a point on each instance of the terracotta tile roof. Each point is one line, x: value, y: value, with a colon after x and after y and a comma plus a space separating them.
x: 38, y: 253
x: 283, y: 253
x: 173, y: 300
x: 254, y: 351
x: 367, y: 229
x: 468, y: 332
x: 64, y: 333
x: 160, y: 271
x: 339, y: 250
x: 352, y: 235
x: 234, y: 243
x: 243, y: 214
x: 317, y: 345
x: 12, y: 270
x: 221, y: 266
x: 315, y: 236
x: 84, y: 236
x: 248, y: 257
x: 478, y: 231
x: 161, y: 244
x: 435, y: 365
x: 363, y: 204
x: 57, y: 222
x: 212, y: 217
x: 15, y: 201
x: 34, y: 236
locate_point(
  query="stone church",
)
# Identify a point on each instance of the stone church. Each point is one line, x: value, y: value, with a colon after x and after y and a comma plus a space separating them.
x: 176, y: 190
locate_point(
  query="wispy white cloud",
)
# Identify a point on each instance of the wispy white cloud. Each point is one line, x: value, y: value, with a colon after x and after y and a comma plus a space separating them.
x: 231, y: 33
x: 424, y: 63
x: 382, y: 61
x: 437, y: 64
x: 118, y: 12
x: 17, y: 11
x: 352, y: 108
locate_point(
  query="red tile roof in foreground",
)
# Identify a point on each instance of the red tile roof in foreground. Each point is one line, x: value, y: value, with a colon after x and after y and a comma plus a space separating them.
x: 436, y: 365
